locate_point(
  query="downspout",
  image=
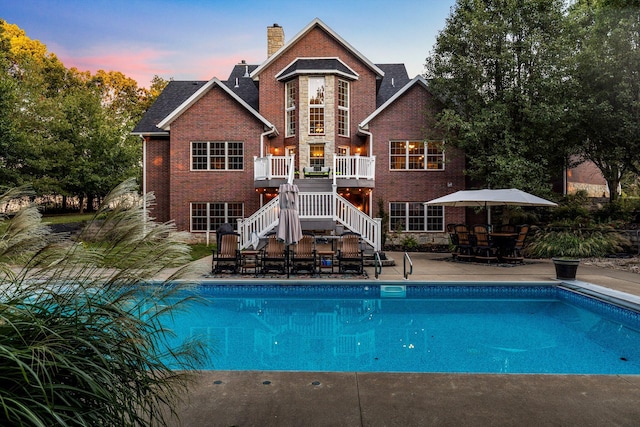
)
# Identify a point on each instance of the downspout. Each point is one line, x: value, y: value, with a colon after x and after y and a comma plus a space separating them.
x: 144, y: 178
x: 271, y: 131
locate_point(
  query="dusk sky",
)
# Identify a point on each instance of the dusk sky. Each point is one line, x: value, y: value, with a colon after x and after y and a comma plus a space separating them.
x: 200, y: 39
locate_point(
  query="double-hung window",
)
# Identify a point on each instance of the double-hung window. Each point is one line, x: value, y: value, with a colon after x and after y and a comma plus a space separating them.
x: 415, y: 216
x: 290, y: 108
x: 209, y: 216
x: 416, y: 155
x: 316, y: 106
x: 343, y: 108
x: 217, y: 155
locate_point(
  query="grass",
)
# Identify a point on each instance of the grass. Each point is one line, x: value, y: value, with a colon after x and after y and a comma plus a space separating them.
x: 67, y: 218
x: 200, y: 250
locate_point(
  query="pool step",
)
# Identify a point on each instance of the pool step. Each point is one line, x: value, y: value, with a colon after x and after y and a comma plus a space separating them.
x: 393, y: 291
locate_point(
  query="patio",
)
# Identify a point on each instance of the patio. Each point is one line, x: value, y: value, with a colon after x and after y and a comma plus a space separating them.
x: 223, y: 398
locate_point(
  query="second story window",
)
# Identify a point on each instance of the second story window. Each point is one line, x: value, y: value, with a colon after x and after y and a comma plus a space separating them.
x: 343, y: 108
x: 217, y: 155
x: 316, y: 105
x: 416, y: 155
x: 290, y: 108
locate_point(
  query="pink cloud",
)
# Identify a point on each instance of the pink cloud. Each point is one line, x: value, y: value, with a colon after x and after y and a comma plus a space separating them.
x: 140, y: 66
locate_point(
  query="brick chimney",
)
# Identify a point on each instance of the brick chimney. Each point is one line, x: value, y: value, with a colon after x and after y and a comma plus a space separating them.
x: 275, y: 39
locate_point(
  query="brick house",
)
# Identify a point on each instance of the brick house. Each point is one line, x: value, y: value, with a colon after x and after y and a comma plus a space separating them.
x: 358, y: 137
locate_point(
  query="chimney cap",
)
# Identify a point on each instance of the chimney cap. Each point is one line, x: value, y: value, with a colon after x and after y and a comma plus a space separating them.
x: 276, y: 25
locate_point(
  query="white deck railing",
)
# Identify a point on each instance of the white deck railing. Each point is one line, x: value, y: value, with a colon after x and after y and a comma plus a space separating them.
x: 271, y: 167
x: 325, y: 205
x: 344, y: 167
x: 354, y: 167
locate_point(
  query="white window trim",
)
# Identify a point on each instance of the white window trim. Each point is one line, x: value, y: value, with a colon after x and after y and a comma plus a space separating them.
x: 407, y: 157
x: 347, y: 108
x: 226, y: 157
x: 406, y: 219
x: 208, y: 227
x: 322, y: 106
x: 288, y: 109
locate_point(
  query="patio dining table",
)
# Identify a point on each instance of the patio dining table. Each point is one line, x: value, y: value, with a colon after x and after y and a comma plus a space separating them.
x: 503, y: 241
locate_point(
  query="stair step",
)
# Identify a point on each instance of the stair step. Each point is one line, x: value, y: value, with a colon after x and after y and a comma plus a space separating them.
x: 313, y: 185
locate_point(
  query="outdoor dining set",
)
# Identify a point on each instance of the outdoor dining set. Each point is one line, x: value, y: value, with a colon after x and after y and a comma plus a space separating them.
x: 312, y: 255
x: 484, y: 243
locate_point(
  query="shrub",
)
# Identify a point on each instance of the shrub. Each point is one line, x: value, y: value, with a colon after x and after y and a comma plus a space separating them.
x: 575, y: 242
x: 79, y: 345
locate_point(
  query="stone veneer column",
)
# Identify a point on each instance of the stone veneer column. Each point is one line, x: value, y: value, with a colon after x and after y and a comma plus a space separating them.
x: 328, y: 139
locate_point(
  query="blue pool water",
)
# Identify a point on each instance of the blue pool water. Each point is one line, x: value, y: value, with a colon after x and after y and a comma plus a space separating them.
x: 472, y: 329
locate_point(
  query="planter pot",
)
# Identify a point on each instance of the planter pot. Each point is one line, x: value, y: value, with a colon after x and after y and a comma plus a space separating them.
x: 566, y: 268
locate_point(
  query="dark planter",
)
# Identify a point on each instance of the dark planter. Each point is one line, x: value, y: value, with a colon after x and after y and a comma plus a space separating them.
x: 566, y: 268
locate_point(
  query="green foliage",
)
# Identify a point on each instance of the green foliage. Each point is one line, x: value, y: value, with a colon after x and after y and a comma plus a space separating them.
x: 409, y: 242
x: 605, y: 89
x: 573, y: 210
x: 64, y: 131
x: 575, y: 243
x: 498, y: 67
x: 83, y: 345
x: 201, y: 250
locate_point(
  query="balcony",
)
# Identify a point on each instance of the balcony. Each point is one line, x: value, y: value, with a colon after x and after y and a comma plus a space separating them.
x: 344, y: 168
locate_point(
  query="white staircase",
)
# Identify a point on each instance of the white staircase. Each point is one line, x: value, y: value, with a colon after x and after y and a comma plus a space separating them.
x: 314, y: 205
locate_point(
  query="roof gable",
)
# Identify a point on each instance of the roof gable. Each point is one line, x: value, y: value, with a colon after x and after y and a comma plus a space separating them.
x: 171, y: 97
x: 316, y: 23
x: 214, y: 82
x: 417, y: 81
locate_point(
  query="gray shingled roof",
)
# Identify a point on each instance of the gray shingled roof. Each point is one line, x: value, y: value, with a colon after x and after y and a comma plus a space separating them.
x: 395, y: 77
x: 171, y: 97
x: 302, y: 66
x: 177, y: 92
x: 246, y: 88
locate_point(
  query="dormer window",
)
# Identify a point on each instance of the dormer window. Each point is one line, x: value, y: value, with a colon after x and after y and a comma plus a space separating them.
x: 316, y: 106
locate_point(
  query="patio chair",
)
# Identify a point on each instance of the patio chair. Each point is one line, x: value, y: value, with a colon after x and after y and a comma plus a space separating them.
x: 484, y: 249
x: 303, y: 254
x: 273, y: 256
x: 514, y: 251
x: 227, y: 255
x: 350, y: 256
x: 465, y: 243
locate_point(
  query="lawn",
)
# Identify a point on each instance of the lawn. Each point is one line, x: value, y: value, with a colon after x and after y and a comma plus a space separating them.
x: 198, y: 250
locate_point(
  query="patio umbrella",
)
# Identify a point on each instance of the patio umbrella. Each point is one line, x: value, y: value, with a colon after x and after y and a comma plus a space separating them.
x: 490, y: 197
x: 289, y: 228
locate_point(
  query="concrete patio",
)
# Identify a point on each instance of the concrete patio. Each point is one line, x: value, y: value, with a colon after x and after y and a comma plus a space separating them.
x: 266, y: 398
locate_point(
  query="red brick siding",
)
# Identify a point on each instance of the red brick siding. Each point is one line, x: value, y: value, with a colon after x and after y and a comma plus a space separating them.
x: 157, y: 176
x: 317, y: 43
x: 407, y: 119
x: 215, y: 117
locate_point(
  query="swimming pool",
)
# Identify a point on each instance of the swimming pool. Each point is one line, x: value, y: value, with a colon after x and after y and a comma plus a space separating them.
x: 520, y: 329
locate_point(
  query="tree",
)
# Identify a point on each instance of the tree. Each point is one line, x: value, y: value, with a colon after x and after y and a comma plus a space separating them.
x: 79, y: 345
x: 66, y: 132
x: 606, y: 34
x: 498, y: 67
